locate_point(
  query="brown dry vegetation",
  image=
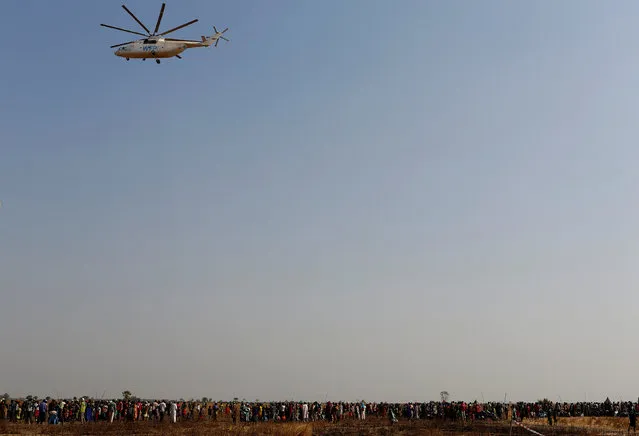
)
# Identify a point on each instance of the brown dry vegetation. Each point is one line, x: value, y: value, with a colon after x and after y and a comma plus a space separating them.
x: 597, y: 425
x: 370, y: 427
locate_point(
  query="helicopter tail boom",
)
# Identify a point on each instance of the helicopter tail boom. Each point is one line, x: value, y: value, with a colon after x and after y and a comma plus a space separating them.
x: 214, y: 39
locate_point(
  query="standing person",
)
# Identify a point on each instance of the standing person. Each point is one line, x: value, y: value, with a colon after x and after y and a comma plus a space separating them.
x: 42, y: 417
x: 391, y: 415
x: 111, y: 411
x: 61, y: 406
x: 162, y: 407
x: 83, y: 410
x: 632, y: 418
x: 236, y: 412
x: 29, y: 408
x: 173, y: 411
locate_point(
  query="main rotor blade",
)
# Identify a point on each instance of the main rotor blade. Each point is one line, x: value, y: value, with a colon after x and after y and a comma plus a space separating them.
x: 124, y: 43
x: 182, y: 40
x: 124, y: 30
x: 148, y: 32
x: 157, y: 26
x: 224, y: 39
x: 179, y: 27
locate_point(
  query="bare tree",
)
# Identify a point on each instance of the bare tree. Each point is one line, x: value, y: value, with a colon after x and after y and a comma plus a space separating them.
x: 444, y: 396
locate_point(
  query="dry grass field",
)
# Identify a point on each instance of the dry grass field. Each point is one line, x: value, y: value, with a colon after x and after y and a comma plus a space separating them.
x: 370, y: 427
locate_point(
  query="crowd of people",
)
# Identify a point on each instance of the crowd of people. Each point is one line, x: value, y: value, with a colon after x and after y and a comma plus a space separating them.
x: 86, y: 410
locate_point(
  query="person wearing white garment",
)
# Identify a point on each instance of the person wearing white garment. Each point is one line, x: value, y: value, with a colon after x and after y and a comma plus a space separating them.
x: 162, y: 407
x: 111, y: 410
x: 173, y: 411
x: 305, y: 412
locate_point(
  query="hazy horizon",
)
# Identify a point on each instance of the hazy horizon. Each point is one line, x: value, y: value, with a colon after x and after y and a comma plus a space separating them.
x: 349, y: 200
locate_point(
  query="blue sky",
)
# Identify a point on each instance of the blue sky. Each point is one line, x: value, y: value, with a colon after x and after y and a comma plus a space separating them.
x: 361, y: 199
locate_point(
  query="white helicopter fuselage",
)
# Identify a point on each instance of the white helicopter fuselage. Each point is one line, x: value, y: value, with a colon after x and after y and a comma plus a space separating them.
x: 156, y: 45
x: 154, y: 48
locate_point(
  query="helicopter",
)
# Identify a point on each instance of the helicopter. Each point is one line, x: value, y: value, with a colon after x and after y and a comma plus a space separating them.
x: 156, y: 46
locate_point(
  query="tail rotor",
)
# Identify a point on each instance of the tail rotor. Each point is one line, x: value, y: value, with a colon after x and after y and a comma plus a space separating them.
x: 219, y: 35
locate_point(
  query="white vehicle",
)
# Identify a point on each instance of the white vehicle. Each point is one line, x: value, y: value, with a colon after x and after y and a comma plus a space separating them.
x: 156, y: 46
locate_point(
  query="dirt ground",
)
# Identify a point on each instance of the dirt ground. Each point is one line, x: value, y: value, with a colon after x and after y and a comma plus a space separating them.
x: 370, y: 427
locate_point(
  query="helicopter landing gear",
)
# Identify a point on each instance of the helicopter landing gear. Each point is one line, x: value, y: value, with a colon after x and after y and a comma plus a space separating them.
x: 157, y: 61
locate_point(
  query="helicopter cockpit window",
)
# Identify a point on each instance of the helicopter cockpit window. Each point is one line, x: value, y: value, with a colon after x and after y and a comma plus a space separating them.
x: 150, y: 41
